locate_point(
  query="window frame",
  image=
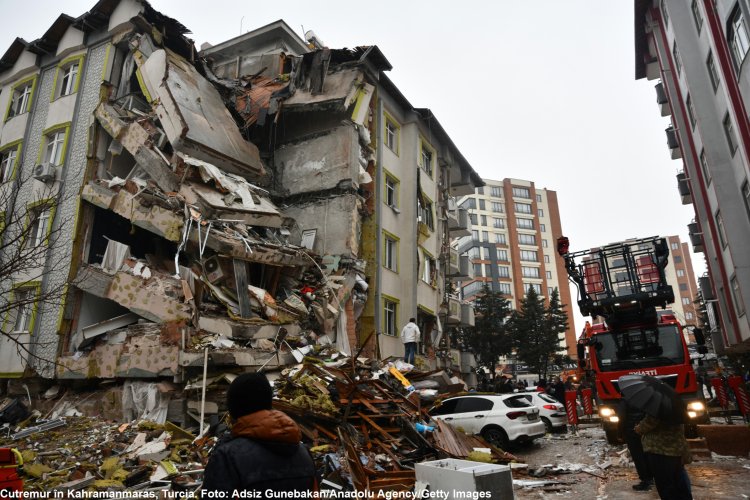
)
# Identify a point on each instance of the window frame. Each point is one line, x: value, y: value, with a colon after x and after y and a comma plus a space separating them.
x: 425, y: 147
x: 521, y: 192
x: 516, y: 206
x: 691, y: 111
x: 729, y: 133
x: 44, y: 143
x: 735, y: 40
x: 713, y: 74
x: 697, y: 16
x: 428, y: 259
x: 739, y: 301
x: 387, y: 325
x: 60, y: 76
x: 45, y: 206
x: 504, y: 288
x: 503, y: 271
x: 28, y: 82
x: 33, y: 287
x: 720, y: 229
x: 391, y: 193
x: 530, y: 237
x: 502, y: 255
x: 676, y: 57
x: 526, y: 224
x: 426, y: 210
x: 15, y: 147
x: 530, y: 272
x: 390, y: 253
x: 496, y: 191
x: 704, y: 166
x: 501, y: 239
x: 745, y: 192
x: 497, y: 207
x: 389, y: 121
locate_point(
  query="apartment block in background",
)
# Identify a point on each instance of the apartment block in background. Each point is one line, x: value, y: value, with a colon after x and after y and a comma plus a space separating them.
x: 513, y: 242
x: 697, y: 53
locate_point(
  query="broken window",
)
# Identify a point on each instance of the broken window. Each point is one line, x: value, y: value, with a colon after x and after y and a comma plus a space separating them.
x: 426, y: 159
x: 425, y: 212
x: 429, y: 269
x: 390, y: 310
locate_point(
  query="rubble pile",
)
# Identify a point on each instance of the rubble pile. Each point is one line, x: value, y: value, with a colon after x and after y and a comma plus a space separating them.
x: 365, y: 429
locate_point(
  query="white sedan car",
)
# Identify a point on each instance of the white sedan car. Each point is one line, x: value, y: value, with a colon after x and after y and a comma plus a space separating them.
x: 551, y: 411
x: 500, y: 419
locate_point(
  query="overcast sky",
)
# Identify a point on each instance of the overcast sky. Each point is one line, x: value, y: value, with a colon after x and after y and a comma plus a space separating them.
x: 541, y: 90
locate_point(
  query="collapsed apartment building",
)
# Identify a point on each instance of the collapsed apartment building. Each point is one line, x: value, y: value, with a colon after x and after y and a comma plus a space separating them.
x: 222, y: 211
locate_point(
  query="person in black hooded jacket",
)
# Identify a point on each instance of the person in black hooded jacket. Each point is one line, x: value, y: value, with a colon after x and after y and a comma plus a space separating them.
x: 263, y: 452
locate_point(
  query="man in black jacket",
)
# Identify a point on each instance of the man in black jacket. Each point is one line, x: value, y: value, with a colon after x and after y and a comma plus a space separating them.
x: 264, y: 452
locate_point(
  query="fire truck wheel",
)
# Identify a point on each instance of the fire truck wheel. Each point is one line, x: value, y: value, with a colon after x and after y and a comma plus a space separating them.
x: 691, y: 431
x: 613, y: 437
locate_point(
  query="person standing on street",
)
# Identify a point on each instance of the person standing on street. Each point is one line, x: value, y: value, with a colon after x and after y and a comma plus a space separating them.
x: 666, y: 452
x: 410, y: 335
x: 630, y: 418
x: 264, y: 452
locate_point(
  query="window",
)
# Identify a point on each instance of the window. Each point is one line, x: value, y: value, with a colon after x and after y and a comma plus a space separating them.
x: 468, y: 204
x: 390, y: 310
x: 504, y: 288
x: 697, y: 17
x: 474, y: 253
x: 529, y: 255
x: 674, y: 245
x: 530, y: 272
x: 487, y: 271
x: 713, y: 74
x: 496, y: 192
x: 475, y: 235
x: 427, y: 158
x: 546, y: 259
x: 548, y: 274
x: 429, y: 269
x: 526, y: 239
x: 539, y: 198
x: 54, y: 147
x: 683, y: 287
x: 539, y: 212
x: 676, y: 56
x: 477, y: 270
x: 498, y: 223
x: 39, y: 224
x: 425, y: 212
x: 691, y: 111
x: 67, y: 77
x: 543, y: 228
x: 729, y: 133
x: 391, y: 134
x: 21, y: 96
x: 537, y: 287
x: 550, y: 290
x: 544, y: 244
x: 473, y: 219
x: 688, y: 316
x: 485, y: 236
x: 522, y: 208
x: 680, y: 273
x: 391, y: 191
x: 704, y: 167
x: 720, y: 228
x: 520, y: 192
x: 502, y: 255
x: 739, y: 42
x: 746, y: 196
x: 737, y: 295
x: 480, y: 190
x: 8, y: 162
x: 677, y: 259
x: 503, y: 271
x: 500, y: 239
x: 484, y: 220
x: 686, y: 301
x: 664, y: 13
x: 482, y: 205
x: 24, y: 298
x: 498, y: 207
x: 524, y: 223
x: 390, y: 260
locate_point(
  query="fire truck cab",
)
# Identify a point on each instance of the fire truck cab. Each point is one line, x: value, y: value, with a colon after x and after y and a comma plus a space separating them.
x: 621, y: 286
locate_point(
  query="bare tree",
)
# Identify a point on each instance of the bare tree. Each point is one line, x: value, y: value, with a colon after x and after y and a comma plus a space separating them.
x: 29, y: 227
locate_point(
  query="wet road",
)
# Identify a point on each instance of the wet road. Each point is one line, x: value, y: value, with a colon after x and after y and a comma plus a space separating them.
x: 595, y: 470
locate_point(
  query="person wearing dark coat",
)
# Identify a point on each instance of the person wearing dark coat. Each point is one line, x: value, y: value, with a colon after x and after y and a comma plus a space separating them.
x: 263, y: 452
x: 630, y: 418
x: 558, y: 390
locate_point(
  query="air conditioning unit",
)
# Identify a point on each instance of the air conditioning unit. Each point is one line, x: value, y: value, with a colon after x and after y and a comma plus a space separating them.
x: 212, y: 268
x: 44, y: 172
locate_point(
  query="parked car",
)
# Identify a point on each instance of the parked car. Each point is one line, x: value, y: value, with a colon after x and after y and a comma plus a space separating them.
x: 500, y: 419
x: 551, y: 411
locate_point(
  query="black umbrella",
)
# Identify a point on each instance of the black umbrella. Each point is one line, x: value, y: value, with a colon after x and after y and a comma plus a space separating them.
x: 653, y: 397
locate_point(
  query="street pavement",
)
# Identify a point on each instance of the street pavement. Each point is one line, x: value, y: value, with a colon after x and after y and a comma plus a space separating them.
x: 584, y: 466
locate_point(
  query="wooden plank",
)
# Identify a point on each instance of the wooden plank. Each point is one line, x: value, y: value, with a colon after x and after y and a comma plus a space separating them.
x: 324, y: 431
x: 375, y: 426
x: 243, y: 296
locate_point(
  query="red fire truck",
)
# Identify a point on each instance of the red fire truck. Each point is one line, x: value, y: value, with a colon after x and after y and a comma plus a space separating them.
x: 621, y: 286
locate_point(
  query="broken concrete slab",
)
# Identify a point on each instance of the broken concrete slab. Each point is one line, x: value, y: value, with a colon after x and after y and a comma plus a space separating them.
x: 194, y: 117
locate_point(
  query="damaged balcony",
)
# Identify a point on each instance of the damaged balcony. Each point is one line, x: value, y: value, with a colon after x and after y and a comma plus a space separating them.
x: 662, y: 100
x: 696, y: 237
x: 673, y: 143
x: 458, y: 222
x: 460, y: 313
x: 459, y: 267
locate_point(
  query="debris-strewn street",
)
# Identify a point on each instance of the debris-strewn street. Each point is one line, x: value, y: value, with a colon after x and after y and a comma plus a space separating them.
x: 582, y: 465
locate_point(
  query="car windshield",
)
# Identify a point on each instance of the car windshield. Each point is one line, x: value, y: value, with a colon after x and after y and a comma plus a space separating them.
x: 638, y: 347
